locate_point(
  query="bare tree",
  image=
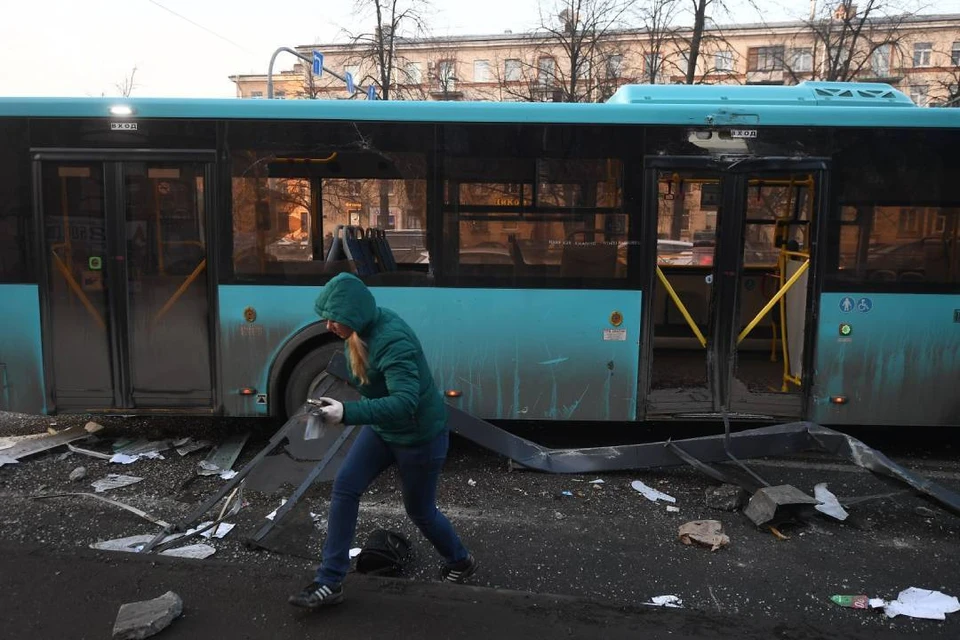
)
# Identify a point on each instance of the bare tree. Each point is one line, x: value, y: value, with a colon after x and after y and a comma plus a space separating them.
x: 842, y: 41
x: 660, y: 36
x: 949, y: 84
x: 577, y: 55
x: 393, y: 22
x: 126, y: 87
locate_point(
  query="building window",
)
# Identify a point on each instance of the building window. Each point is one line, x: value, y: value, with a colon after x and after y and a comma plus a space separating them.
x: 922, y: 52
x: 765, y: 58
x: 723, y: 61
x: 481, y: 71
x: 447, y: 75
x: 280, y: 94
x: 256, y: 94
x: 880, y: 61
x: 955, y: 54
x: 413, y: 72
x: 652, y: 67
x: 919, y: 93
x: 801, y: 60
x: 511, y: 70
x: 615, y: 66
x: 546, y: 72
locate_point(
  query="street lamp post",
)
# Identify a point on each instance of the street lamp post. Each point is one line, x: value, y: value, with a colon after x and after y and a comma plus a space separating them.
x: 309, y: 61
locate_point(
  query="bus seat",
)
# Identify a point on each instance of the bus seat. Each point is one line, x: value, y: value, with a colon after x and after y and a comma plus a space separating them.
x: 355, y: 251
x: 386, y: 250
x: 337, y: 250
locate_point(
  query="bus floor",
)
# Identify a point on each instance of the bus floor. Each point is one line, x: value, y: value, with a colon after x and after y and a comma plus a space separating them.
x: 687, y: 368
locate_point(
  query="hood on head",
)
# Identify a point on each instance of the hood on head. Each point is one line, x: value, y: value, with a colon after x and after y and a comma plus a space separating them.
x: 345, y: 299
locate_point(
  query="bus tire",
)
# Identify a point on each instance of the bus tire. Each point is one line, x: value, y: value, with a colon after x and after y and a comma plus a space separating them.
x: 305, y: 377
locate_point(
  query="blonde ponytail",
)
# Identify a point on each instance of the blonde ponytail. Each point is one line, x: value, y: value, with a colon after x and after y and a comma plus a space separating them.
x: 358, y: 357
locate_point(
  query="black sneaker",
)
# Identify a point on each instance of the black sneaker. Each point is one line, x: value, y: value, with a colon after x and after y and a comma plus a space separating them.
x: 460, y: 571
x: 316, y: 595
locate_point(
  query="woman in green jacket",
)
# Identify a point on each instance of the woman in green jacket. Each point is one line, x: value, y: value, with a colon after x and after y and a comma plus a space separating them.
x: 406, y: 424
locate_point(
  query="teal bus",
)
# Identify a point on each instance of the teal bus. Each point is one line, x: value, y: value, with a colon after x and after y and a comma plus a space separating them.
x: 677, y: 253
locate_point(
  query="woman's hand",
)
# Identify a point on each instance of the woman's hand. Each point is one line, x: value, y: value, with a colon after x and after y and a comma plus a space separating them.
x: 331, y: 410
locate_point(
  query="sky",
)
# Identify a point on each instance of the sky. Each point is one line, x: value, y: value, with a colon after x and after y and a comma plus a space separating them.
x: 191, y: 47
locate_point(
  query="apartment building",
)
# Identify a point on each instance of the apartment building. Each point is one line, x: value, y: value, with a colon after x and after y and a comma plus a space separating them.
x: 920, y: 55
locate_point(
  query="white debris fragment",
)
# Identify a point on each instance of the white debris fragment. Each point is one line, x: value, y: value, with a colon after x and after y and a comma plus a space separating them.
x: 123, y: 458
x: 197, y: 551
x: 187, y: 445
x: 650, y: 493
x: 876, y: 603
x: 597, y: 481
x: 272, y: 514
x: 672, y: 509
x: 227, y: 475
x: 219, y: 531
x: 829, y: 504
x: 673, y: 602
x: 114, y: 481
x: 922, y: 603
x: 355, y: 552
x: 472, y: 482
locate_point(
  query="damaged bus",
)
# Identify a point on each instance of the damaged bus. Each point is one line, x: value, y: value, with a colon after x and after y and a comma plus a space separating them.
x: 679, y: 252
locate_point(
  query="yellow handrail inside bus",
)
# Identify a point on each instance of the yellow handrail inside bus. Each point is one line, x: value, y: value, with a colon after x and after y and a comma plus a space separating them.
x: 683, y: 310
x: 71, y: 281
x: 181, y: 290
x: 776, y: 298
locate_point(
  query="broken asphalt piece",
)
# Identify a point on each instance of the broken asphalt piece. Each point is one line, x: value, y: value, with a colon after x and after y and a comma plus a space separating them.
x: 726, y: 497
x: 650, y: 493
x: 138, y: 620
x: 7, y: 442
x: 221, y: 459
x: 922, y: 603
x: 114, y: 481
x: 24, y: 447
x: 706, y: 532
x: 673, y: 602
x: 78, y: 474
x: 764, y: 504
x: 829, y: 504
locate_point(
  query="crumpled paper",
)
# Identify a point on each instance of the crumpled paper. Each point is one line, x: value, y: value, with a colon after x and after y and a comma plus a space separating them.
x: 705, y: 532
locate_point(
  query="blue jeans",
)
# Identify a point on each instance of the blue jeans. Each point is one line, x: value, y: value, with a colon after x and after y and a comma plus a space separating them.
x: 419, y: 468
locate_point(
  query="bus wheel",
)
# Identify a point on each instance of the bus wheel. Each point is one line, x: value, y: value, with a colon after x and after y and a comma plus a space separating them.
x: 305, y: 377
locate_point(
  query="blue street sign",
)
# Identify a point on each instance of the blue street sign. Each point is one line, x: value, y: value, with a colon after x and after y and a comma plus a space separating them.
x: 317, y: 63
x: 371, y: 93
x: 350, y: 87
x: 846, y: 304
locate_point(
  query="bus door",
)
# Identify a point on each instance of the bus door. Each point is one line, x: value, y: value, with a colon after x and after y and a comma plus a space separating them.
x: 127, y: 317
x: 729, y: 321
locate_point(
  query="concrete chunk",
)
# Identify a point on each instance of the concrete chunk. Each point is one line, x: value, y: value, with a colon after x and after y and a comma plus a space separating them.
x: 726, y: 497
x: 138, y: 620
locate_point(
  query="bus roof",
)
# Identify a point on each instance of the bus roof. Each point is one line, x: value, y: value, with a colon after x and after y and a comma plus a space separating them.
x: 818, y: 104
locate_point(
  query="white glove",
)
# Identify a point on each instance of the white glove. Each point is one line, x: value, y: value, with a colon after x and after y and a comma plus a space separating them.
x: 331, y: 410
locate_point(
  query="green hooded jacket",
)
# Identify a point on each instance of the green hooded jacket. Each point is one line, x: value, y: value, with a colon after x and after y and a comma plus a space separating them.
x: 401, y: 401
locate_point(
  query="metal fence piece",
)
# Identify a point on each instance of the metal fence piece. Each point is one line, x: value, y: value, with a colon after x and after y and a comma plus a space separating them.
x: 776, y: 440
